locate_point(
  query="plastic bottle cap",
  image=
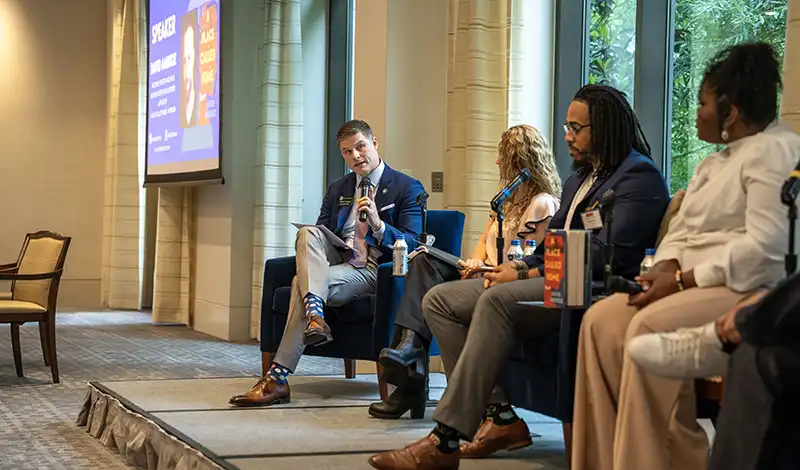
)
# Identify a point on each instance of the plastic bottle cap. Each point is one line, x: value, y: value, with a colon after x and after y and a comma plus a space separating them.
x: 515, y: 242
x: 650, y: 252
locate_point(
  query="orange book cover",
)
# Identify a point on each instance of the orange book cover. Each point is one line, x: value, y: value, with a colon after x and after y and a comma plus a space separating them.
x: 208, y: 59
x: 554, y: 268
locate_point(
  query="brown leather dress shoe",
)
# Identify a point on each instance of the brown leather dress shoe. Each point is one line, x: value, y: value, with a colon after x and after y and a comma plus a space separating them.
x: 421, y: 455
x: 264, y: 393
x: 317, y: 331
x: 490, y: 438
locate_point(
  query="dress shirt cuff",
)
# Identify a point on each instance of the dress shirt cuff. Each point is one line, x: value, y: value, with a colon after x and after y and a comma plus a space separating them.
x: 708, y: 275
x: 378, y: 234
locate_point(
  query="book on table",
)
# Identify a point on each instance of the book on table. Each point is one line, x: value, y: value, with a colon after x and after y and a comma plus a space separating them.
x: 567, y: 268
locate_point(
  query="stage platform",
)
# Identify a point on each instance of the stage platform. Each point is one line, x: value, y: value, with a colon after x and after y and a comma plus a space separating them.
x: 188, y: 423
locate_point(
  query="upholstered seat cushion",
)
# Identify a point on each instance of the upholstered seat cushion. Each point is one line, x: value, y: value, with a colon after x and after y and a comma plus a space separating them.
x: 5, y: 296
x: 358, y: 310
x: 18, y: 306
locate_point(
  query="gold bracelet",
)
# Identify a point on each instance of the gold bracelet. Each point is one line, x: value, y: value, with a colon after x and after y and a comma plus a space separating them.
x: 679, y: 280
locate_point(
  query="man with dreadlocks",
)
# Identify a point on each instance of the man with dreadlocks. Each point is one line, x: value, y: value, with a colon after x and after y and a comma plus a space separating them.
x: 477, y: 322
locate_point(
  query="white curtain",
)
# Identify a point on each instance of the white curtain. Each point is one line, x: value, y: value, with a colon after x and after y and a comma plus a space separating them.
x: 790, y: 100
x: 175, y: 253
x: 123, y: 209
x: 279, y: 165
x: 477, y: 106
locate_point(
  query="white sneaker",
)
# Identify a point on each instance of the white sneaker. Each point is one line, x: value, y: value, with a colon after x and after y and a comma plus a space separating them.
x: 686, y: 353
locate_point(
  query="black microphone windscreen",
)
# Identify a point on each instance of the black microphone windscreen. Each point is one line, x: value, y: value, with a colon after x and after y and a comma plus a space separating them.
x: 526, y: 174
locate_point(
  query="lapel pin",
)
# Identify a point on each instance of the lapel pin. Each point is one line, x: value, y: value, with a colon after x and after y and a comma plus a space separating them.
x: 384, y: 190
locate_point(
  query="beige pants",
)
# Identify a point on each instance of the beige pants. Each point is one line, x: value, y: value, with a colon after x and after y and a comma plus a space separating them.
x: 626, y: 419
x: 321, y: 271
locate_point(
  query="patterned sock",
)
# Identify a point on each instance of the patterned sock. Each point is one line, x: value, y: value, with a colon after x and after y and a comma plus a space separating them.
x: 278, y: 373
x: 314, y: 305
x: 448, y: 438
x: 502, y: 414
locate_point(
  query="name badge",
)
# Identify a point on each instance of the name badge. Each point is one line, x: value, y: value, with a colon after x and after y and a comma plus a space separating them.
x: 345, y: 201
x: 592, y: 220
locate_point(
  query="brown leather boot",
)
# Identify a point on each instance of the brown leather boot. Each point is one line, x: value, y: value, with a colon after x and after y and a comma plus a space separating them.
x: 317, y: 331
x: 490, y: 438
x: 421, y: 455
x: 264, y: 393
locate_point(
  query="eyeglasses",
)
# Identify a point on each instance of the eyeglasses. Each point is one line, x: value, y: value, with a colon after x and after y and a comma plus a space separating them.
x: 574, y: 127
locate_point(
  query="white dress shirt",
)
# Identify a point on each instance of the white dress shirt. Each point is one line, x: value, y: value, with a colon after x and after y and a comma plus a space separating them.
x: 349, y: 228
x: 732, y: 229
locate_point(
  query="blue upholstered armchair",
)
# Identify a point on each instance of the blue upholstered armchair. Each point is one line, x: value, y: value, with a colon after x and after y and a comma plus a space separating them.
x: 362, y: 327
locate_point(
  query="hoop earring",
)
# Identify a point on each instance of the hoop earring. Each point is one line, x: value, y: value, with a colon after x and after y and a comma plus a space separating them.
x: 725, y: 136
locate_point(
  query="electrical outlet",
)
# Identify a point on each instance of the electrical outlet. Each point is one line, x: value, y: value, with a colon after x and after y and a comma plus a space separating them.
x: 437, y: 182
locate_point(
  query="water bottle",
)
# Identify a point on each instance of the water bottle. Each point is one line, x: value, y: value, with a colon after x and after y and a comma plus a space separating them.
x: 400, y: 258
x: 647, y: 262
x: 530, y: 247
x: 515, y: 250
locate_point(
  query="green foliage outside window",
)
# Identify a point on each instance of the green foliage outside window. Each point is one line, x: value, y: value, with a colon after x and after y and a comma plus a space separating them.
x: 702, y: 28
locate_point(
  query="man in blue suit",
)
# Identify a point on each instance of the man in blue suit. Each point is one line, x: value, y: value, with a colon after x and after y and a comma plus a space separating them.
x: 339, y: 262
x: 477, y: 322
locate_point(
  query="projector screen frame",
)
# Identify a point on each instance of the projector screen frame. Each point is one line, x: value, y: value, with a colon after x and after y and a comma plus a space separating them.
x: 194, y: 178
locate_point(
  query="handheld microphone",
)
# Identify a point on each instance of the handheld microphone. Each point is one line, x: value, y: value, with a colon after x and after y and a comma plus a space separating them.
x: 422, y: 197
x: 617, y: 284
x: 791, y: 187
x: 505, y: 193
x: 364, y: 192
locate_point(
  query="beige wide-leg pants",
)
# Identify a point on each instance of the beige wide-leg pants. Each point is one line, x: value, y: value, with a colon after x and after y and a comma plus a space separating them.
x: 625, y: 418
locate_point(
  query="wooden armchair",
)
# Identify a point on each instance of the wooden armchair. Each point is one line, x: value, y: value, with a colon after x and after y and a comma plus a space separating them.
x: 34, y: 291
x: 11, y: 267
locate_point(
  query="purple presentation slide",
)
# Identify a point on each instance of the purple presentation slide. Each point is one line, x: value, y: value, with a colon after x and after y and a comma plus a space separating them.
x: 183, y: 86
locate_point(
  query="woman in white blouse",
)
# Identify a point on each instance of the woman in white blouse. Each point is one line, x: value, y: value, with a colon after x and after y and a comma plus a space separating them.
x: 527, y: 215
x: 727, y: 239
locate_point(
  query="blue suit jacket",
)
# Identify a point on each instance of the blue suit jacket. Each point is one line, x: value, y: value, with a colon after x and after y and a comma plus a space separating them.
x: 641, y: 199
x: 396, y: 203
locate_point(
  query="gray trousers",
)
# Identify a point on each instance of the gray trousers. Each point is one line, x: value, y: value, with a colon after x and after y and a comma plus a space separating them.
x: 757, y: 426
x: 321, y: 270
x: 476, y: 329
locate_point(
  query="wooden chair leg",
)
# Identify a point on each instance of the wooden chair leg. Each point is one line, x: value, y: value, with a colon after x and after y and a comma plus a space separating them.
x: 43, y: 339
x: 568, y: 442
x: 266, y: 362
x: 383, y: 386
x: 16, y: 347
x: 350, y: 368
x: 51, y: 347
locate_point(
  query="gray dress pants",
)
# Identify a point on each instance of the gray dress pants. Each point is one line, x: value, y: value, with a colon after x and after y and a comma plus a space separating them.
x: 476, y: 329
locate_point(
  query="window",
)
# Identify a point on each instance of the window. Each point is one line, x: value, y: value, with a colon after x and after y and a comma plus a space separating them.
x: 702, y: 28
x: 612, y: 44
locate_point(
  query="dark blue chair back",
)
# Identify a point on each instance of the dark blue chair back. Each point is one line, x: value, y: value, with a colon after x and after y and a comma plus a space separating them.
x: 447, y: 227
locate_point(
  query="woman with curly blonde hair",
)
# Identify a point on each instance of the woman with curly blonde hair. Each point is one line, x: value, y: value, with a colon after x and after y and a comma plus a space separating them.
x: 527, y: 215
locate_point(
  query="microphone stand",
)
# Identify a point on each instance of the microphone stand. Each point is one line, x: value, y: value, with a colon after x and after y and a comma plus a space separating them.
x: 607, y: 213
x: 501, y: 241
x: 791, y: 258
x: 423, y: 237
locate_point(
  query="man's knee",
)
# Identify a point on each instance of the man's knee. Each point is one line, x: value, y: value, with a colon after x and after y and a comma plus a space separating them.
x: 434, y: 301
x: 304, y: 234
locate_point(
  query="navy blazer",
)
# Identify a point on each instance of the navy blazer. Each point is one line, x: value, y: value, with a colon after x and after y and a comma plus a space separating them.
x: 642, y: 198
x: 395, y: 200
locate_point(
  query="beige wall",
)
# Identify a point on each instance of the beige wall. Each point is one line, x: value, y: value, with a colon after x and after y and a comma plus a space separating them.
x: 416, y: 89
x: 790, y: 100
x: 53, y: 127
